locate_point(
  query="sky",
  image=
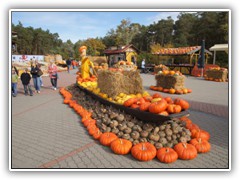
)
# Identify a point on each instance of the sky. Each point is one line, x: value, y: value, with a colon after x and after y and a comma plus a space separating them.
x: 82, y: 25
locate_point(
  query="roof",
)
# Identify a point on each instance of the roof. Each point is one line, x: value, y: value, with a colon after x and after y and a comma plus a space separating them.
x: 122, y: 50
x: 219, y: 47
x: 180, y: 51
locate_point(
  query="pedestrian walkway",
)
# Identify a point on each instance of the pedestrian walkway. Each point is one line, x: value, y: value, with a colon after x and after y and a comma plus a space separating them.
x: 48, y: 134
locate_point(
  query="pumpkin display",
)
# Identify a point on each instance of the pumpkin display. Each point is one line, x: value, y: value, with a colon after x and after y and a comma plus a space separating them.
x: 185, y: 151
x: 107, y: 137
x: 167, y: 155
x: 121, y: 146
x: 201, y: 145
x: 144, y: 151
x: 171, y: 90
x: 124, y: 133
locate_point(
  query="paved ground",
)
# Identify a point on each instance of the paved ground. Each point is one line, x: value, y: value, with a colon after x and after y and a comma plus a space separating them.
x: 47, y: 134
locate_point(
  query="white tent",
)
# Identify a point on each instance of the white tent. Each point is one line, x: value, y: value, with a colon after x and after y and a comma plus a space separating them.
x: 218, y: 47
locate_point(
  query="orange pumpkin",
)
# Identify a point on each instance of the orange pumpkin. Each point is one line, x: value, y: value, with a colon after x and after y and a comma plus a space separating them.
x: 172, y: 91
x: 166, y: 90
x: 167, y: 155
x: 192, y: 126
x: 189, y: 90
x: 184, y: 104
x: 169, y: 100
x: 144, y: 106
x: 140, y: 101
x: 165, y: 72
x: 199, y: 133
x: 186, y: 120
x: 201, y: 145
x: 156, y: 95
x: 148, y: 98
x: 135, y: 106
x: 158, y: 107
x: 171, y: 72
x: 129, y: 102
x: 185, y: 151
x: 179, y: 91
x: 97, y: 134
x: 144, y: 151
x: 66, y: 100
x: 172, y: 108
x: 92, y: 129
x: 121, y: 146
x: 159, y: 89
x: 89, y: 122
x: 185, y: 91
x: 107, y: 137
x: 152, y: 87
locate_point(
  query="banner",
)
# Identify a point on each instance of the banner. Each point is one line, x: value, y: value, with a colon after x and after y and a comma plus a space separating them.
x: 23, y: 58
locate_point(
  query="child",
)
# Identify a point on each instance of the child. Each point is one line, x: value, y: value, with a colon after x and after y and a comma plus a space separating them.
x: 25, y: 78
x: 14, y: 83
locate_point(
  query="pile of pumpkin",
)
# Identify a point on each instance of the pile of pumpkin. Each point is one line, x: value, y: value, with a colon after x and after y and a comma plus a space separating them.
x: 171, y: 90
x: 143, y: 151
x: 157, y: 104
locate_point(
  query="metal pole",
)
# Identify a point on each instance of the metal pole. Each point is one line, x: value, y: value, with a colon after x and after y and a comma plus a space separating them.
x: 214, y: 57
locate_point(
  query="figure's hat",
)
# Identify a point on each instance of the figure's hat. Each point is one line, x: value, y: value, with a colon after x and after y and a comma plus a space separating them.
x: 82, y: 48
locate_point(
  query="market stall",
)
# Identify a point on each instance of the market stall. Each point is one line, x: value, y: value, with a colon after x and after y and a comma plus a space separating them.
x: 192, y: 52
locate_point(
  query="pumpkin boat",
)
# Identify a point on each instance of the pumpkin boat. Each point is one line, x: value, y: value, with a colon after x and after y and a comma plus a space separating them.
x: 141, y: 115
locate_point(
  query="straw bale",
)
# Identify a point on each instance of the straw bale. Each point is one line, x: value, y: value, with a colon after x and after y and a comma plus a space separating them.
x: 169, y: 81
x: 114, y: 83
x: 126, y: 67
x: 217, y: 74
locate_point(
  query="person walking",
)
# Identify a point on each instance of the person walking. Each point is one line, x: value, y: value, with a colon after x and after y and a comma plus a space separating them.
x: 73, y: 64
x: 36, y: 77
x: 52, y: 70
x: 68, y: 62
x: 25, y: 78
x: 143, y: 66
x: 14, y: 82
x: 39, y: 66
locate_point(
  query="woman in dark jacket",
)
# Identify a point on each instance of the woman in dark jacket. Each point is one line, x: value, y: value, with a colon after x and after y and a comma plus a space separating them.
x: 36, y: 77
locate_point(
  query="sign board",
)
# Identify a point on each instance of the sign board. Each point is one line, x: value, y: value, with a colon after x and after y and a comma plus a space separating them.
x: 23, y: 58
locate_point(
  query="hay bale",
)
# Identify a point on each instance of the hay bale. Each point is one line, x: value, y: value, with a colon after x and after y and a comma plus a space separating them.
x: 169, y: 81
x: 126, y: 67
x: 114, y: 83
x: 217, y: 74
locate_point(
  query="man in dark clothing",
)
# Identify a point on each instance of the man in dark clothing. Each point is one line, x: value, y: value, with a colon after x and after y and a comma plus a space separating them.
x: 25, y: 78
x: 68, y: 62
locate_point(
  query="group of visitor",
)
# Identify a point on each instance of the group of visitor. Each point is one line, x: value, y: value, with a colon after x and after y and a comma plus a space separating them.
x: 35, y: 74
x: 70, y: 63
